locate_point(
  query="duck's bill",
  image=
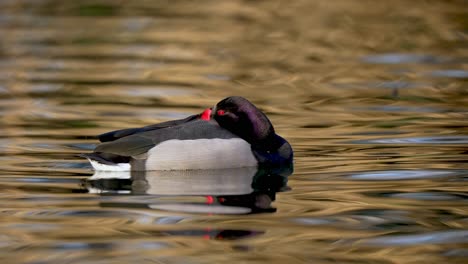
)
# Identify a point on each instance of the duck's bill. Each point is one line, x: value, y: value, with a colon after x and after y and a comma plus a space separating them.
x: 206, y: 115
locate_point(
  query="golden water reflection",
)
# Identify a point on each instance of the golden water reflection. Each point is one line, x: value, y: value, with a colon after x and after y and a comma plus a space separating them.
x: 372, y: 96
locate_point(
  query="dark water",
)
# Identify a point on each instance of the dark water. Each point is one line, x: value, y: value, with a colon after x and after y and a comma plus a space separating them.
x: 373, y: 96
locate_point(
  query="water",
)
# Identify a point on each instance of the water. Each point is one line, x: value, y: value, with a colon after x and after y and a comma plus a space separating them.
x: 372, y: 96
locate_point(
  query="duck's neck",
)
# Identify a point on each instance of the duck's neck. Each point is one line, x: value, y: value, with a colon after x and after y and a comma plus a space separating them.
x: 273, y: 151
x: 269, y: 143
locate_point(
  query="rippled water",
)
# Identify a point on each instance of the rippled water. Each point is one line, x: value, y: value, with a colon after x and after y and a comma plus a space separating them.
x: 372, y: 95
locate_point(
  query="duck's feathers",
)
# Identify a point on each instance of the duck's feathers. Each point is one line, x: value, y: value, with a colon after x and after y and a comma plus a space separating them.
x: 139, y: 143
x: 117, y: 134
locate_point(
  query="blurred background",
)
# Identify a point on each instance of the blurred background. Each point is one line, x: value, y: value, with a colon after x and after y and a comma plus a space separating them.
x: 372, y: 95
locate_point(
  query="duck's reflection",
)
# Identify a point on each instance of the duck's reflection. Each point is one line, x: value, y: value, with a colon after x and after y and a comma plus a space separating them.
x: 226, y: 191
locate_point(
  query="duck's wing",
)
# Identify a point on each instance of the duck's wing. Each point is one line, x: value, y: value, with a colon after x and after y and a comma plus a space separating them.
x: 139, y: 143
x: 117, y: 134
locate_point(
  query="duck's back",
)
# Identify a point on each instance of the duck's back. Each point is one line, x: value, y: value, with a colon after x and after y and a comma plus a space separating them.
x: 198, y: 144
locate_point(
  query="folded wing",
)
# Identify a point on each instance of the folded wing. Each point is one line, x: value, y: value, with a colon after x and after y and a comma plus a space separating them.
x: 117, y: 134
x: 139, y: 143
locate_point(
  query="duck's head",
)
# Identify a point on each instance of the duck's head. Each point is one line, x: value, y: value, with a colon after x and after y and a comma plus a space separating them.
x: 242, y: 118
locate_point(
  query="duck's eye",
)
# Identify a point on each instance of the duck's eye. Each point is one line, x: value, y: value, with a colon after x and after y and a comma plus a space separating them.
x: 220, y: 112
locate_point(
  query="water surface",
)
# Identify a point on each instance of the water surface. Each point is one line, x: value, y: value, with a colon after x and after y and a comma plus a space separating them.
x: 372, y: 96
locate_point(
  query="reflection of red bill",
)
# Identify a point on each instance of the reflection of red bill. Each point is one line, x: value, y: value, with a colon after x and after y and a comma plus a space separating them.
x: 209, y: 199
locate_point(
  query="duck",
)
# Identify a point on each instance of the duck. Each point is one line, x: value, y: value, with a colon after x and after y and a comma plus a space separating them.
x: 232, y: 134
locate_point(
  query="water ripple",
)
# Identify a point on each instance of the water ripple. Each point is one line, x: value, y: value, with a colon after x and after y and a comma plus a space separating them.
x: 441, y: 237
x: 450, y: 73
x: 400, y: 58
x: 416, y: 140
x: 428, y: 196
x: 391, y: 175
